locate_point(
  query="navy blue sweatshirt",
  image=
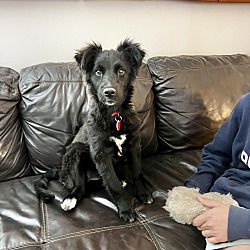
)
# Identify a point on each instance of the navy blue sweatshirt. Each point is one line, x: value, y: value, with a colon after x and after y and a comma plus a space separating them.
x: 225, y: 167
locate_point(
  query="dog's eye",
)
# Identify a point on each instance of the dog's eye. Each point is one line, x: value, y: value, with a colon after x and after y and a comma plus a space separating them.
x: 98, y: 73
x: 121, y: 72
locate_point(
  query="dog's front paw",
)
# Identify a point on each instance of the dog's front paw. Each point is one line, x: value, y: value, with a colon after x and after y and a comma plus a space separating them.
x: 46, y: 197
x: 146, y: 197
x: 68, y: 204
x: 127, y: 215
x: 142, y: 191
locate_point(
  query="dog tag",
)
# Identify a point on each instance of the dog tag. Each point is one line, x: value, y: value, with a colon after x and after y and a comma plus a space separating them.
x: 118, y: 120
x: 118, y: 125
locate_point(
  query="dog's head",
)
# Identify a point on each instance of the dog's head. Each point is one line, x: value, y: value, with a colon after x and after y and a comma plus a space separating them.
x: 110, y: 73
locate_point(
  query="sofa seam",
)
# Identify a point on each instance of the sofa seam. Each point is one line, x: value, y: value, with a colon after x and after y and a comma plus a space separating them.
x: 154, y: 134
x: 27, y: 244
x: 92, y: 231
x: 177, y: 165
x: 45, y: 230
x: 43, y: 219
x: 103, y: 229
x: 43, y: 233
x: 195, y: 68
x: 50, y: 81
x: 47, y: 222
x: 26, y: 84
x: 46, y: 240
x: 145, y: 222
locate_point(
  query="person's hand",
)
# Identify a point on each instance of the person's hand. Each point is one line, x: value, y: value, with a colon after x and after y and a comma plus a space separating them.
x: 214, y: 222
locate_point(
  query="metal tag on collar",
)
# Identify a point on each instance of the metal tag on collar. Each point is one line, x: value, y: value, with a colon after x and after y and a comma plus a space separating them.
x: 118, y: 120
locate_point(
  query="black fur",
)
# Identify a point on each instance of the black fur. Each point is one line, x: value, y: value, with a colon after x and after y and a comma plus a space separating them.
x: 109, y: 75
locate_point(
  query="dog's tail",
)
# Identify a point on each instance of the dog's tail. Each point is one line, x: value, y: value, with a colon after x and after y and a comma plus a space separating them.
x: 42, y: 183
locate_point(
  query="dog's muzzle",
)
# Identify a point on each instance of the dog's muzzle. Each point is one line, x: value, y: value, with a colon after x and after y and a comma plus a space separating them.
x: 110, y: 95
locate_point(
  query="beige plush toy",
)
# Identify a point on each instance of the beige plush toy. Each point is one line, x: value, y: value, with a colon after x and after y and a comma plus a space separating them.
x: 183, y: 205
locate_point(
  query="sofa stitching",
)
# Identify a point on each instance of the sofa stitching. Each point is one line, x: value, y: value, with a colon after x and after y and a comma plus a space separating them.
x: 150, y: 232
x: 31, y: 243
x: 47, y: 221
x: 27, y: 244
x: 177, y: 165
x: 30, y: 84
x: 88, y: 232
x: 163, y: 68
x: 156, y: 217
x: 200, y: 68
x: 50, y: 81
x: 43, y: 230
x: 82, y: 233
x: 44, y: 246
x: 105, y: 229
x: 92, y: 231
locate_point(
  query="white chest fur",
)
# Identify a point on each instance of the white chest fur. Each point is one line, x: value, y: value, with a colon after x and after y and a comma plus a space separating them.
x: 118, y: 141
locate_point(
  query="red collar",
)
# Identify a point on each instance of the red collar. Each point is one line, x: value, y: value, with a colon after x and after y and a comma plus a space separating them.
x: 115, y: 113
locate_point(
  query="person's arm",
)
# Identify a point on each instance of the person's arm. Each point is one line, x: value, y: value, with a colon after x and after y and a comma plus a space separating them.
x: 217, y: 155
x: 238, y: 223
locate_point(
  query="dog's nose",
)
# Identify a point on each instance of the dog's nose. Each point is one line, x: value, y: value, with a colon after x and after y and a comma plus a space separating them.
x: 109, y: 92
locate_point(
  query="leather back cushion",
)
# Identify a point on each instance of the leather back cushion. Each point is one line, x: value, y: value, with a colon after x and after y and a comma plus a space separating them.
x: 13, y: 154
x: 194, y: 95
x: 55, y: 104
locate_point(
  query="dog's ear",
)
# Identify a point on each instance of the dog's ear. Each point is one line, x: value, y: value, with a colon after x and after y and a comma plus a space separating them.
x: 85, y: 57
x: 132, y: 52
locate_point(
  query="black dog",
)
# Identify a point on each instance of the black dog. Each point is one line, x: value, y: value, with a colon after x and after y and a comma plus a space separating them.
x: 111, y: 133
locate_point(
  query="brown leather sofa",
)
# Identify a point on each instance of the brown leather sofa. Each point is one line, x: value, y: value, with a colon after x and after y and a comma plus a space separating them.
x: 181, y: 101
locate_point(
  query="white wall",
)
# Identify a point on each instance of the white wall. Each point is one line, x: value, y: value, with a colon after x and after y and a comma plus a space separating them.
x: 33, y: 32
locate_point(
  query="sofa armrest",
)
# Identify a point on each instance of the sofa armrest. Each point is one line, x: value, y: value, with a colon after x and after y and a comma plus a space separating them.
x: 13, y: 154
